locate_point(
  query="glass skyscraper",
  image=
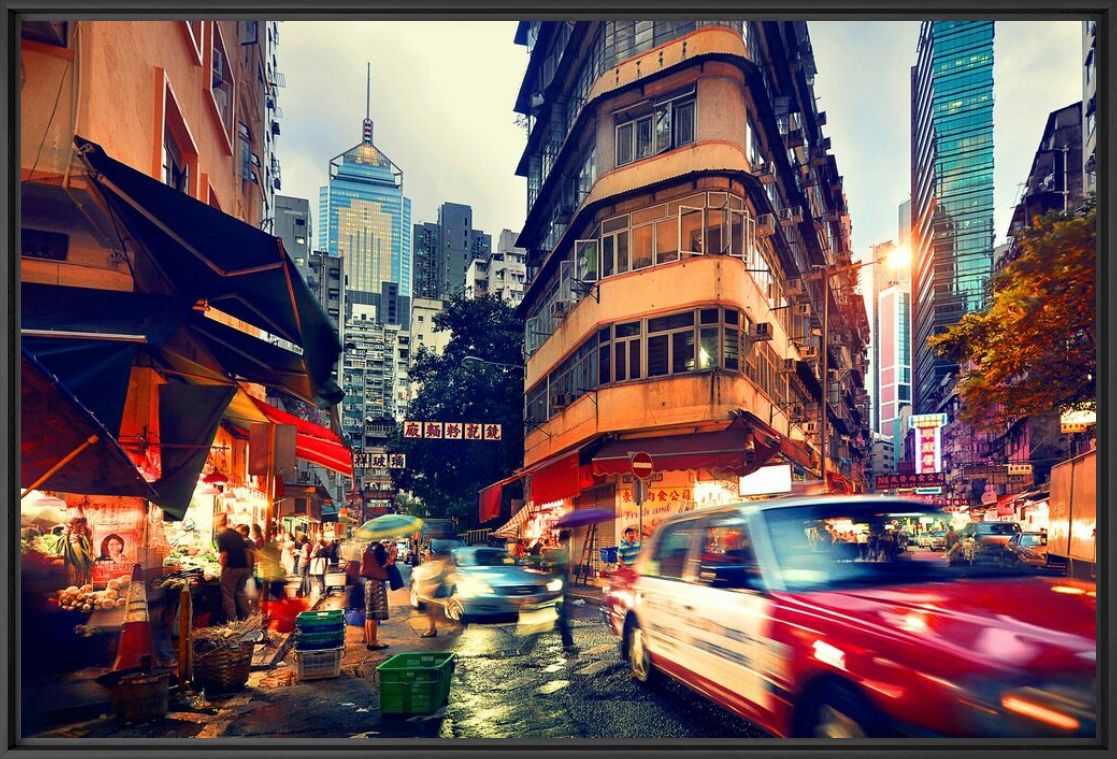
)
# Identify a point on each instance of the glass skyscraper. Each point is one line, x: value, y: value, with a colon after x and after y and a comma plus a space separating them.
x: 364, y: 217
x: 951, y: 184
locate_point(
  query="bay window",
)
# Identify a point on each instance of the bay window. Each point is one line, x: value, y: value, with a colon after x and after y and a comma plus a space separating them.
x: 669, y: 125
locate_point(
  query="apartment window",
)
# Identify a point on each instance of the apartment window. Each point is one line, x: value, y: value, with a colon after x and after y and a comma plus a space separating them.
x: 222, y: 82
x: 178, y: 156
x: 670, y: 125
x: 614, y: 246
x: 626, y: 352
x: 756, y: 151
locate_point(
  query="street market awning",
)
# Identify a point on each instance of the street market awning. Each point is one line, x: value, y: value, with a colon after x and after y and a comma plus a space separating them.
x: 491, y: 498
x: 558, y: 478
x: 189, y: 416
x: 205, y: 254
x: 79, y: 322
x: 797, y: 452
x: 313, y: 442
x: 838, y: 484
x: 741, y: 448
x: 512, y: 527
x: 53, y: 426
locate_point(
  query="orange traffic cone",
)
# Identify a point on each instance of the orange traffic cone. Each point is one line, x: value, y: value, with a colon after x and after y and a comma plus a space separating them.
x: 136, y: 651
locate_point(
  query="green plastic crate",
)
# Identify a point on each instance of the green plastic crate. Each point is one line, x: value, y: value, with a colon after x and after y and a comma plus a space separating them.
x: 319, y: 640
x: 320, y: 621
x: 415, y: 683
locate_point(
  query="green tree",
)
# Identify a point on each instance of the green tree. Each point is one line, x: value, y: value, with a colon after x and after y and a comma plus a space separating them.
x: 1032, y: 349
x: 446, y: 475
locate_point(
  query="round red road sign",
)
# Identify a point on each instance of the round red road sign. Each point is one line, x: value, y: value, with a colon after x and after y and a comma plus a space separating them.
x: 642, y: 465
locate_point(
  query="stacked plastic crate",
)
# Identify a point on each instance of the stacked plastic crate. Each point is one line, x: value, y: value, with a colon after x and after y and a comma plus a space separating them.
x: 319, y: 641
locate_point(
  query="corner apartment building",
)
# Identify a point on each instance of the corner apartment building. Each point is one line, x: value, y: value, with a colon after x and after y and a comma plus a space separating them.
x: 951, y: 186
x: 502, y: 273
x: 679, y: 190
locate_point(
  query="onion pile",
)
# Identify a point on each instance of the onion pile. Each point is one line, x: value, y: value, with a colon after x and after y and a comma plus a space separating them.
x: 85, y: 598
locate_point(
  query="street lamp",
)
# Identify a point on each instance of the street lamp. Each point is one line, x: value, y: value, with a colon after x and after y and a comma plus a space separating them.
x: 477, y: 360
x: 899, y: 258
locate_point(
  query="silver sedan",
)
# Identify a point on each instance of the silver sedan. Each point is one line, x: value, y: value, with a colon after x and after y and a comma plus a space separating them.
x: 483, y: 581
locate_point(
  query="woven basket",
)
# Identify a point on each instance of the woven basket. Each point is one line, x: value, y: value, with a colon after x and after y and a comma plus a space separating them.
x: 223, y: 669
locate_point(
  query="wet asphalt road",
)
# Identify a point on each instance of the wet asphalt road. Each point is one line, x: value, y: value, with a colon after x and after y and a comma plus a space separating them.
x: 510, y: 682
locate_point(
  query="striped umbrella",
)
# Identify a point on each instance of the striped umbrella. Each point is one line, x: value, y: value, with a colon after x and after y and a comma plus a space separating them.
x: 389, y: 526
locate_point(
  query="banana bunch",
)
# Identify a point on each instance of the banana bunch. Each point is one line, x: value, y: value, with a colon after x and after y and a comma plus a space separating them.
x: 77, y: 549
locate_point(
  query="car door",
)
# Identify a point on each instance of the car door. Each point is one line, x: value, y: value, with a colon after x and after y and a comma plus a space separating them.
x: 661, y: 592
x: 730, y: 614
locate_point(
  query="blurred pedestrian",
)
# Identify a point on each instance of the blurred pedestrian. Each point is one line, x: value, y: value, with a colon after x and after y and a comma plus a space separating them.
x: 233, y: 556
x: 561, y: 563
x: 953, y: 546
x: 374, y: 571
x: 319, y: 559
x: 303, y: 552
x: 431, y: 584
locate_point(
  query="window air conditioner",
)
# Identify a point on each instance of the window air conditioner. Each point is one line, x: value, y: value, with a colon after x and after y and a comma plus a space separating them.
x: 810, y: 353
x: 789, y: 365
x: 810, y: 427
x: 761, y: 331
x: 802, y: 309
x: 765, y: 224
x: 792, y: 288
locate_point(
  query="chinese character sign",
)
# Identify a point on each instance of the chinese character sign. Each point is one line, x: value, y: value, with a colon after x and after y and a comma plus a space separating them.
x: 929, y: 442
x: 472, y: 431
x: 397, y: 461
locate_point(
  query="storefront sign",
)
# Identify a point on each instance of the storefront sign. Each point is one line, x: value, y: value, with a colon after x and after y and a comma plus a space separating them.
x: 901, y: 481
x: 768, y: 480
x: 453, y: 430
x: 117, y: 524
x: 928, y: 441
x: 374, y: 460
x: 1074, y: 421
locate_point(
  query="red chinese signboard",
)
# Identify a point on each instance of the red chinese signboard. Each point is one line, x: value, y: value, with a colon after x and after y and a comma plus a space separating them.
x: 901, y: 481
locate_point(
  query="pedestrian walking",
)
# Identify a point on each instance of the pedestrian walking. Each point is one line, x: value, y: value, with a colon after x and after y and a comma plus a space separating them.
x: 561, y: 567
x: 374, y: 571
x: 233, y: 557
x: 863, y: 545
x: 953, y: 546
x: 629, y: 548
x: 304, y: 552
x: 432, y: 585
x: 319, y: 558
x: 252, y: 584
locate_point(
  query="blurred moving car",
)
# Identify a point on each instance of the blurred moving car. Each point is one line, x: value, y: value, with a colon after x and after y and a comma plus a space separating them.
x: 1029, y: 548
x: 485, y: 581
x: 985, y: 542
x: 739, y: 604
x: 932, y: 540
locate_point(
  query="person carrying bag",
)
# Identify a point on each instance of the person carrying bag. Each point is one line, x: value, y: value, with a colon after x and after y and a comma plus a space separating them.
x: 374, y: 570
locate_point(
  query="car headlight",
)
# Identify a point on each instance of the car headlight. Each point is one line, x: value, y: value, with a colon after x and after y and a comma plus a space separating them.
x: 554, y: 585
x: 471, y: 586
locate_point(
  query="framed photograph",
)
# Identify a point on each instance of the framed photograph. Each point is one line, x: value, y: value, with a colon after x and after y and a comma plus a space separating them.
x: 714, y: 379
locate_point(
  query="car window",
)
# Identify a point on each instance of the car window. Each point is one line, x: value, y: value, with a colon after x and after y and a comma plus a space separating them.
x: 1032, y: 540
x: 671, y: 550
x: 727, y: 559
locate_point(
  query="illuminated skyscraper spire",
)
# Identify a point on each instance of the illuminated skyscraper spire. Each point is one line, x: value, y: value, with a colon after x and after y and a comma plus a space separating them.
x: 367, y: 127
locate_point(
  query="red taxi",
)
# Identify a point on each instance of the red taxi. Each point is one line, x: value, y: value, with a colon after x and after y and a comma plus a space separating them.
x: 752, y: 607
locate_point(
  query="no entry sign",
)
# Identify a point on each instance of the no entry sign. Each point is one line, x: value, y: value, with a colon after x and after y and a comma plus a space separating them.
x: 642, y: 465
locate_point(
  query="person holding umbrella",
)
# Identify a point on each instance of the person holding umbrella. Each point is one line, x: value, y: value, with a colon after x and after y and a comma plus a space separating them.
x: 374, y: 569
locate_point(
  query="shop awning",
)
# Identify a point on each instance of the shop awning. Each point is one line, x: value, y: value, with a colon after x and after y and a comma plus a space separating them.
x: 205, y: 254
x: 188, y: 419
x: 742, y: 447
x: 491, y: 498
x: 512, y: 527
x: 798, y: 452
x: 558, y: 478
x: 103, y: 321
x: 838, y: 484
x: 53, y: 425
x: 313, y: 442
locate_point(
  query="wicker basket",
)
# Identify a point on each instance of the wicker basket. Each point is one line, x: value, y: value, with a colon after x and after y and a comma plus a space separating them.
x: 223, y: 669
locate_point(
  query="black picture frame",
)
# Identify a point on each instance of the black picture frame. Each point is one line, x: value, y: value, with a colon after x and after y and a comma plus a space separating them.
x: 1104, y: 11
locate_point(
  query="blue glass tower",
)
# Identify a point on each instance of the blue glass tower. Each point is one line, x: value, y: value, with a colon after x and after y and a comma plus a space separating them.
x: 364, y: 217
x: 951, y: 185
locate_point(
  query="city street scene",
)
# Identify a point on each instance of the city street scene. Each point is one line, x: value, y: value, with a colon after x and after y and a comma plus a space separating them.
x: 600, y: 379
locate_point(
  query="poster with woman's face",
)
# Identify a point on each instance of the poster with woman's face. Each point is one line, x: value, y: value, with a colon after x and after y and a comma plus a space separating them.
x: 117, y: 536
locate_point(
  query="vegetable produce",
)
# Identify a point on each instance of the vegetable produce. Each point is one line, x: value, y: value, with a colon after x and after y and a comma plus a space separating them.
x: 86, y: 599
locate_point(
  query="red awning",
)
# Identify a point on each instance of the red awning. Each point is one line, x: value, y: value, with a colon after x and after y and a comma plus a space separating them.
x: 313, y: 442
x: 559, y: 478
x: 489, y: 499
x: 797, y: 452
x: 741, y: 448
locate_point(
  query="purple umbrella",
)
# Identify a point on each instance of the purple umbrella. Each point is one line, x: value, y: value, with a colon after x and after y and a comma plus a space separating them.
x: 585, y: 516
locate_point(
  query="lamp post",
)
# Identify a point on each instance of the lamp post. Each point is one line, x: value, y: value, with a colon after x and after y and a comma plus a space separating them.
x: 824, y: 272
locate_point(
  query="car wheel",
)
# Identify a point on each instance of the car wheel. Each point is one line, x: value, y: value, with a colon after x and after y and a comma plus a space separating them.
x: 636, y: 651
x: 841, y: 712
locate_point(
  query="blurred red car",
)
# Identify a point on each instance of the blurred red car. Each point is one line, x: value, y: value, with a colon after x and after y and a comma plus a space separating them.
x: 751, y: 607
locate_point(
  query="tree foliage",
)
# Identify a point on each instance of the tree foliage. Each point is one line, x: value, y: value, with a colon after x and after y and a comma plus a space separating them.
x: 1033, y: 348
x: 446, y: 475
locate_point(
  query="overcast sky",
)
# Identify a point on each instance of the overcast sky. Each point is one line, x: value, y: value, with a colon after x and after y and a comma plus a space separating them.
x: 442, y: 97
